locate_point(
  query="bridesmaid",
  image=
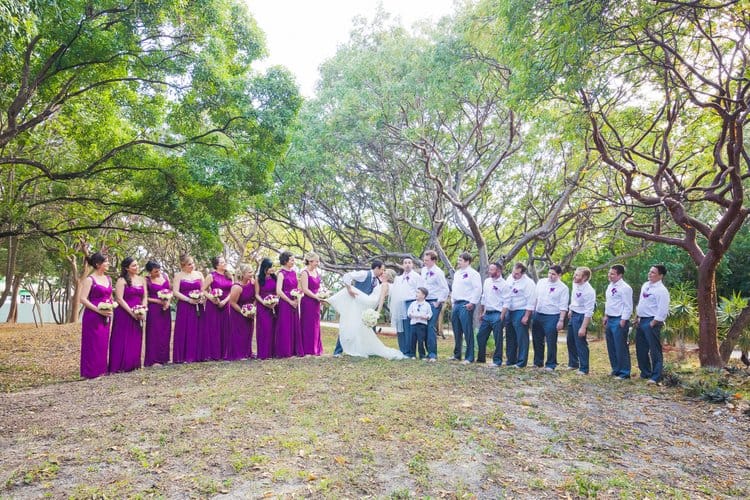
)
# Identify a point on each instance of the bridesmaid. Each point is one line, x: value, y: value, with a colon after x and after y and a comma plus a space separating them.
x: 159, y: 317
x: 288, y: 339
x: 95, y: 323
x: 265, y: 316
x: 309, y: 281
x: 187, y: 320
x: 127, y: 330
x: 216, y: 320
x: 240, y: 345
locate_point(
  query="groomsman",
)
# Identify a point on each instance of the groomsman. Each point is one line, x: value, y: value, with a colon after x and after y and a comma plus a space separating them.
x: 518, y: 310
x: 365, y: 282
x: 618, y: 308
x: 494, y: 294
x: 467, y: 290
x: 437, y: 286
x: 409, y: 281
x: 652, y: 311
x: 552, y: 297
x: 582, y: 303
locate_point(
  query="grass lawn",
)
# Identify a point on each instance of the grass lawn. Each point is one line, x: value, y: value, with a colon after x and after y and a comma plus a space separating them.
x: 350, y: 427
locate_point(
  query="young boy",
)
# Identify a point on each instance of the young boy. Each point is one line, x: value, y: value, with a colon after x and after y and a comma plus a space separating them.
x: 419, y: 314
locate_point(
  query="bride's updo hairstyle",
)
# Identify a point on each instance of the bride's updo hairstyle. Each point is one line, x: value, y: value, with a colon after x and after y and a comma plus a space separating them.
x: 390, y: 275
x: 311, y: 256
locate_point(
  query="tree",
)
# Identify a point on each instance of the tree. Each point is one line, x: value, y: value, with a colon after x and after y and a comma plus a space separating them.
x: 665, y: 88
x: 143, y: 108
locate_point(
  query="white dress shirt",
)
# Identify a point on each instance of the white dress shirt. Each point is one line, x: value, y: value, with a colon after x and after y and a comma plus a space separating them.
x: 435, y: 283
x: 410, y: 281
x: 653, y: 301
x: 583, y: 299
x: 619, y: 302
x: 494, y: 293
x: 419, y: 312
x: 551, y: 298
x: 467, y: 285
x: 521, y: 294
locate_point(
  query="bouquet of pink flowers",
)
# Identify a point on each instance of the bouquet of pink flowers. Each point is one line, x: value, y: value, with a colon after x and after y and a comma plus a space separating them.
x: 139, y: 311
x: 248, y: 310
x: 106, y: 305
x: 323, y: 293
x: 196, y: 295
x: 270, y: 300
x: 164, y: 295
x: 297, y: 293
x: 216, y: 293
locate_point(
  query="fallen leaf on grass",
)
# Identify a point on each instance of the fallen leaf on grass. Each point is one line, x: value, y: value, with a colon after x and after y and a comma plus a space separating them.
x: 339, y: 459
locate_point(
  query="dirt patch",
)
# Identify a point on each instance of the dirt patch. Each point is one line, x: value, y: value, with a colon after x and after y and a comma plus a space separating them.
x: 352, y: 427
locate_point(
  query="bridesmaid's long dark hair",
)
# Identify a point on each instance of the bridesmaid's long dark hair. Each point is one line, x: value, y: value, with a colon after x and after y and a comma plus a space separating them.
x: 124, y: 265
x: 265, y: 265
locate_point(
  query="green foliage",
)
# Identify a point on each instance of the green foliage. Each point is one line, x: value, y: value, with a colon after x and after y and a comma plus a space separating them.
x: 144, y: 108
x: 683, y: 319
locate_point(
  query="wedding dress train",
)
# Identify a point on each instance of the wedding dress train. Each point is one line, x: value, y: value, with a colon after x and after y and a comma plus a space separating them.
x: 356, y: 338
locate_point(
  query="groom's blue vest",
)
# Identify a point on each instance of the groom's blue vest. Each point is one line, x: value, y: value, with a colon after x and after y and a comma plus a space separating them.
x: 364, y: 286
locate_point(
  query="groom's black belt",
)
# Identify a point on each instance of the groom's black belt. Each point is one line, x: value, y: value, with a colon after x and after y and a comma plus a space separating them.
x: 461, y: 302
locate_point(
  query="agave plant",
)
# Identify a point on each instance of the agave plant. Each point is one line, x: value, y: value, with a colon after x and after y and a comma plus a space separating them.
x: 727, y: 312
x: 682, y: 324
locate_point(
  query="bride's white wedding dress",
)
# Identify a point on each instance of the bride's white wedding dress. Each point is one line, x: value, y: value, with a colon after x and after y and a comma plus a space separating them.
x: 356, y: 338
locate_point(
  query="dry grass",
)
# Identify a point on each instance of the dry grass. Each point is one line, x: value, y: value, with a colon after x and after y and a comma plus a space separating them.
x: 351, y: 427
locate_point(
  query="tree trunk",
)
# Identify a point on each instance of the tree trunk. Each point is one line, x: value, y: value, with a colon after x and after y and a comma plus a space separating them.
x: 10, y: 267
x: 741, y: 322
x: 13, y: 311
x: 75, y: 300
x: 708, y: 346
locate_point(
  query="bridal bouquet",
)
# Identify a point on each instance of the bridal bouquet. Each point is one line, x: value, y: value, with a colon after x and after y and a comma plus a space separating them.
x: 297, y: 293
x: 370, y: 317
x: 164, y: 295
x: 196, y: 295
x: 323, y: 293
x: 106, y: 305
x: 248, y: 310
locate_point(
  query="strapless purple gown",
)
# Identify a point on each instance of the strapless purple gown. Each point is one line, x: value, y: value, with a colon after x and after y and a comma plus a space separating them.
x: 158, y: 326
x: 239, y: 345
x: 288, y: 338
x: 95, y: 333
x: 216, y: 321
x: 310, y: 319
x: 187, y: 325
x: 265, y: 321
x: 127, y: 334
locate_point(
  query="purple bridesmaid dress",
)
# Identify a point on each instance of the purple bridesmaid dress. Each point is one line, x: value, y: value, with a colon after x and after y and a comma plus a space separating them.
x: 309, y: 313
x: 265, y: 320
x: 187, y: 325
x: 127, y: 334
x: 288, y: 339
x: 95, y: 333
x: 241, y: 328
x: 216, y: 321
x: 158, y: 326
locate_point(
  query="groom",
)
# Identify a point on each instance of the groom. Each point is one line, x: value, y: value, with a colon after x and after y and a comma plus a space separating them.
x: 365, y: 282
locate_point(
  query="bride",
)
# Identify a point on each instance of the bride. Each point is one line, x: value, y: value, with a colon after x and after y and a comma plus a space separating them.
x: 356, y: 338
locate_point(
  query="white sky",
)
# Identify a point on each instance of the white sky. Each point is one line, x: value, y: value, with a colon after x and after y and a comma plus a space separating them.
x: 301, y: 34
